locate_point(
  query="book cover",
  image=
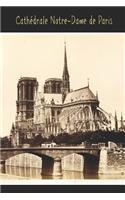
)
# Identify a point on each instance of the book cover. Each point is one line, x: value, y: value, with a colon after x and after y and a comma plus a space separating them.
x: 62, y: 94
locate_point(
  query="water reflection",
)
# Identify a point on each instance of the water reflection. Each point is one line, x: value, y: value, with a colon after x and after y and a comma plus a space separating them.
x: 23, y: 171
x: 35, y: 173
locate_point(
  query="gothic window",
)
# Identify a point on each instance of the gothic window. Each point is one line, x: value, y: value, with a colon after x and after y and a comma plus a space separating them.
x: 31, y: 91
x: 53, y: 87
x: 55, y: 129
x: 26, y: 91
x: 81, y: 114
x: 58, y: 112
x: 86, y: 113
x: 21, y: 91
x: 59, y: 88
x: 87, y: 122
x: 44, y: 88
x: 53, y: 112
x: 47, y: 87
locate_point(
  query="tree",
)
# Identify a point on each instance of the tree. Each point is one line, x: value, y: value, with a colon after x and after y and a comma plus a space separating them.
x: 5, y: 142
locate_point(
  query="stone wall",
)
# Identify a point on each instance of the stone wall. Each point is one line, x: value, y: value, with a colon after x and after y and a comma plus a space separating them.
x: 73, y: 162
x: 112, y: 161
x: 25, y: 160
x: 116, y: 161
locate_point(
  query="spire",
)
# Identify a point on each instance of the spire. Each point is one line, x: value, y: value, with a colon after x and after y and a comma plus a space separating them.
x: 97, y: 95
x: 116, y: 121
x: 13, y: 127
x: 65, y: 69
x: 121, y: 117
x: 122, y: 121
x: 88, y: 82
x: 115, y: 115
x: 65, y: 77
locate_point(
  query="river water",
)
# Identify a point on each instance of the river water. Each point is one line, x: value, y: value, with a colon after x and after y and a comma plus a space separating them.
x: 35, y: 173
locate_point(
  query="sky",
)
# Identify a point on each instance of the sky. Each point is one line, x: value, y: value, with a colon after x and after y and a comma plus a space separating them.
x: 99, y: 57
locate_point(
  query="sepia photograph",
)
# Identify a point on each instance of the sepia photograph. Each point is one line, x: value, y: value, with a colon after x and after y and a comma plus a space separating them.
x: 63, y: 106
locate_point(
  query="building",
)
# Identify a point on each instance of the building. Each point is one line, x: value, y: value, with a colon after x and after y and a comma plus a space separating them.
x: 57, y: 109
x: 25, y: 99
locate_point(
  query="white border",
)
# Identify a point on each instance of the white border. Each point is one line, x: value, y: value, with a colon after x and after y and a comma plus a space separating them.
x: 62, y: 196
x: 62, y: 182
x: 62, y: 3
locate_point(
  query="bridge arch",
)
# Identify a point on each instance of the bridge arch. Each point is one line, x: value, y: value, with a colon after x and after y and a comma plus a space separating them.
x: 82, y: 162
x: 49, y: 165
x: 24, y: 160
x: 9, y: 154
x: 73, y: 162
x: 91, y: 163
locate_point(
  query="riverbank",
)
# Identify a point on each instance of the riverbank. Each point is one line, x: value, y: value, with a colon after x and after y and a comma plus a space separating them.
x: 8, y: 176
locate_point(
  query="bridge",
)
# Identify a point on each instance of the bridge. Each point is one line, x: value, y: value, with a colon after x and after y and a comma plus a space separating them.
x: 51, y: 156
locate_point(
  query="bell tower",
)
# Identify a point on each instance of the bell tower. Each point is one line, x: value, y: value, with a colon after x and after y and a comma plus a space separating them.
x: 25, y: 98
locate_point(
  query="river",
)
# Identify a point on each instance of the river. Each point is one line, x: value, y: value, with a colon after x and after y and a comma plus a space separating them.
x: 35, y: 173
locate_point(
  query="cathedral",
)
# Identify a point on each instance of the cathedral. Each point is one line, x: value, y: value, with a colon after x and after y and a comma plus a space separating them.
x: 57, y: 108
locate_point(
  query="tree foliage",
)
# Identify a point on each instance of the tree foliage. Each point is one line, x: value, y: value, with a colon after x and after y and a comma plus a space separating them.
x: 69, y: 139
x: 90, y: 137
x: 5, y: 142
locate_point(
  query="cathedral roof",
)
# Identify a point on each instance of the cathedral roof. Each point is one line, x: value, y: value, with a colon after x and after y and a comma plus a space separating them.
x: 82, y: 94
